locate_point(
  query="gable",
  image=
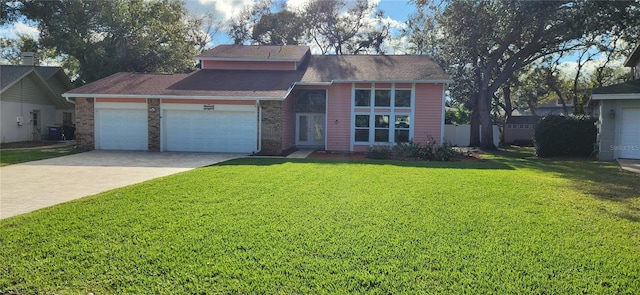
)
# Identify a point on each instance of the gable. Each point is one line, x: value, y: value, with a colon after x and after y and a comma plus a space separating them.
x: 31, y: 89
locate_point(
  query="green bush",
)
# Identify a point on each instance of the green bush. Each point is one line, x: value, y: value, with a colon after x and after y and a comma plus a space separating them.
x: 430, y: 151
x: 565, y: 136
x: 380, y: 152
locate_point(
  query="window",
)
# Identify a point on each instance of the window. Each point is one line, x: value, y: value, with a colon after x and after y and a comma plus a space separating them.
x: 382, y: 116
x: 526, y: 126
x: 402, y: 98
x: 383, y: 98
x: 521, y: 126
x: 402, y: 124
x: 382, y: 128
x: 363, y: 98
x: 66, y: 118
x: 362, y: 128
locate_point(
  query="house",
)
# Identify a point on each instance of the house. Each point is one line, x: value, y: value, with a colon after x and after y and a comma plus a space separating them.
x: 553, y: 107
x: 618, y: 111
x: 31, y: 100
x: 267, y: 100
x: 520, y: 129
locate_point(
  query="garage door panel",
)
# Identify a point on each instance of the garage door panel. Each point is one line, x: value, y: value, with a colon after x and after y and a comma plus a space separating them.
x: 122, y: 130
x: 205, y: 131
x: 630, y: 133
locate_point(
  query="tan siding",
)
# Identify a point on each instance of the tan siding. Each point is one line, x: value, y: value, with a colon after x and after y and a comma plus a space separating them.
x: 27, y: 91
x: 428, y: 112
x: 339, y: 117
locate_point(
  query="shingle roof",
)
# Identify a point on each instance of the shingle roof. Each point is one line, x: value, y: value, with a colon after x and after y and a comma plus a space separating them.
x: 262, y: 52
x: 268, y: 84
x: 326, y: 68
x: 11, y: 73
x: 202, y: 83
x: 622, y: 88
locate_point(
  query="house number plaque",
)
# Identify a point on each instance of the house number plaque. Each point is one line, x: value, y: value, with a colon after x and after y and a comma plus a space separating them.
x: 209, y: 107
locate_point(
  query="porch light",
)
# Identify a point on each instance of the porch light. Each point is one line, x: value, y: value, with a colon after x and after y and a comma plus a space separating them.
x: 612, y: 114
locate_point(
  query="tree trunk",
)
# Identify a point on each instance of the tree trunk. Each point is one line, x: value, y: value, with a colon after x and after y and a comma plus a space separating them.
x: 486, y: 132
x: 474, y: 136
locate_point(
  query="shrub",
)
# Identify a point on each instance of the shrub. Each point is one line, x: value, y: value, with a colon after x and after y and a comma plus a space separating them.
x: 565, y: 136
x: 380, y: 152
x: 408, y: 150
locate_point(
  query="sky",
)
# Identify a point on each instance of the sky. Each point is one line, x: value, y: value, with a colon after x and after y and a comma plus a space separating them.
x: 222, y: 10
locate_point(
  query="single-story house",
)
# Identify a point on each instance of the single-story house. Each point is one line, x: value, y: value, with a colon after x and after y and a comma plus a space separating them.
x: 618, y: 110
x: 520, y: 129
x: 31, y: 100
x: 267, y: 100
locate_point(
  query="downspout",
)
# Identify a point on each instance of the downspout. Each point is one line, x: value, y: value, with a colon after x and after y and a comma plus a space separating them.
x: 444, y: 87
x: 259, y: 126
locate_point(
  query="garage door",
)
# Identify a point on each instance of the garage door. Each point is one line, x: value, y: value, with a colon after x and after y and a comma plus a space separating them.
x: 630, y: 134
x: 207, y: 131
x: 121, y: 130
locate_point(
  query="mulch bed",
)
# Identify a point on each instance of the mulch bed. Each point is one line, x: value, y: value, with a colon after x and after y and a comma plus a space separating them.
x: 471, y: 157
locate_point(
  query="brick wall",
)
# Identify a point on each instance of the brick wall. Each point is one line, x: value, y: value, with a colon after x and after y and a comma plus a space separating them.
x: 271, y: 127
x: 153, y: 118
x: 85, y: 123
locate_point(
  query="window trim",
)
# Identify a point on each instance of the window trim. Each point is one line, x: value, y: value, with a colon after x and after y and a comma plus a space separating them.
x: 373, y: 110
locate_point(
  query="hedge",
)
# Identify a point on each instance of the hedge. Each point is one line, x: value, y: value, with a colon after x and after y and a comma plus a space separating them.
x: 565, y: 136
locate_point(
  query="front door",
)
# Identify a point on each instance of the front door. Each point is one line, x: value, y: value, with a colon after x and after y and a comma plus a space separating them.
x: 310, y: 130
x: 35, y: 123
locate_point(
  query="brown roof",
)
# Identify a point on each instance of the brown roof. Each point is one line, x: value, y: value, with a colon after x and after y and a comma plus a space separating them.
x: 253, y: 52
x: 326, y: 68
x: 268, y: 84
x: 201, y: 83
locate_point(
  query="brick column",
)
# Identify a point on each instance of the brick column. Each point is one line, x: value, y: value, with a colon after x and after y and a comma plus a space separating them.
x: 153, y: 117
x: 85, y: 124
x: 271, y: 127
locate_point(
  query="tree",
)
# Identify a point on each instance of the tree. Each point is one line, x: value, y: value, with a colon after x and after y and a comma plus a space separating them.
x: 241, y: 26
x: 280, y: 28
x: 119, y: 35
x: 12, y: 50
x: 336, y: 28
x: 495, y: 39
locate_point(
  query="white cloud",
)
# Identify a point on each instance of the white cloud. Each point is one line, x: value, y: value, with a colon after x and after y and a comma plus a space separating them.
x: 221, y: 9
x: 19, y: 28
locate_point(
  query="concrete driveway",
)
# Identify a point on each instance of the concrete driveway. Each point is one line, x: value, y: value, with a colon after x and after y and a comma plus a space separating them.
x: 30, y: 186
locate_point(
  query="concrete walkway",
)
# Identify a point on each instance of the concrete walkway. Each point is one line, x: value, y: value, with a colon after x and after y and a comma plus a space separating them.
x: 629, y: 165
x: 30, y: 186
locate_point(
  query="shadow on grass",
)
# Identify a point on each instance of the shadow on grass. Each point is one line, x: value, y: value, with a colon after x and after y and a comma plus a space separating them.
x: 602, y: 180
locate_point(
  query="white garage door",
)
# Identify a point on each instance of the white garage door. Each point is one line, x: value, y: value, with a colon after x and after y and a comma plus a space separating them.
x: 121, y: 130
x: 630, y: 134
x: 211, y: 131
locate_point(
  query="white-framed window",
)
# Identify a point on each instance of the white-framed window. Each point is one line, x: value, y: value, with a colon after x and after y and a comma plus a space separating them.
x: 382, y: 115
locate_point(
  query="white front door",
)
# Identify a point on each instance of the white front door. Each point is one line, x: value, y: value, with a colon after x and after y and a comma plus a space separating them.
x: 310, y: 130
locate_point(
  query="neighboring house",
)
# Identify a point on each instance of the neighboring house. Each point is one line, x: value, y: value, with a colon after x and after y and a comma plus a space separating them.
x: 267, y: 100
x: 31, y: 100
x: 618, y: 109
x: 553, y: 107
x: 520, y: 129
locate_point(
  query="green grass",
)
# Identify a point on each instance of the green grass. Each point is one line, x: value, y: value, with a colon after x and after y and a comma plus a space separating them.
x: 8, y: 157
x: 507, y: 225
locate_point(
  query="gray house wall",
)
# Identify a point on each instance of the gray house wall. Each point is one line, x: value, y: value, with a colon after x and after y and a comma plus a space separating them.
x: 609, y: 128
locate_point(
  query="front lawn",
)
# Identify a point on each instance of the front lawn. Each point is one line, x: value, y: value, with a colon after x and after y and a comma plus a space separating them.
x: 507, y: 225
x: 15, y: 156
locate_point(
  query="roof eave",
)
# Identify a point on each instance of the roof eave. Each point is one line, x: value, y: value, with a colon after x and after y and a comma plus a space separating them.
x: 199, y: 58
x: 633, y: 58
x: 161, y: 96
x: 610, y: 96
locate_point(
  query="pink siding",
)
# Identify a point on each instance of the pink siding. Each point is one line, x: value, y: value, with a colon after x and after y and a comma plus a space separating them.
x: 248, y: 65
x: 132, y: 100
x: 403, y: 85
x: 339, y: 117
x: 363, y: 85
x: 288, y: 122
x: 383, y: 85
x: 428, y: 120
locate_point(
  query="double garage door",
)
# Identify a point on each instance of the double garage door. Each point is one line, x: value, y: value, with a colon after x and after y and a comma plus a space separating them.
x: 182, y: 130
x: 207, y: 131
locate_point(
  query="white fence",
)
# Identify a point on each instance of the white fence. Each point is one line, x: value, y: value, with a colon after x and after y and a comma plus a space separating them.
x: 458, y: 135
